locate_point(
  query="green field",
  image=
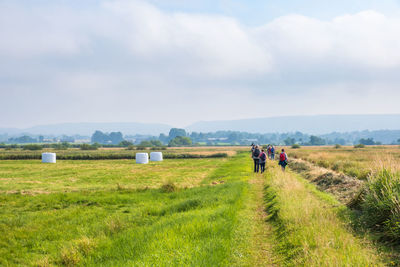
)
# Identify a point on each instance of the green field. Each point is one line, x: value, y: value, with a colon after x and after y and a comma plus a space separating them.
x: 179, y: 212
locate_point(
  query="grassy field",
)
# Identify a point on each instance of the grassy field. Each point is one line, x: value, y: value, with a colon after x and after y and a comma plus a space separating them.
x: 156, y: 215
x: 179, y: 212
x: 356, y: 162
x: 33, y: 177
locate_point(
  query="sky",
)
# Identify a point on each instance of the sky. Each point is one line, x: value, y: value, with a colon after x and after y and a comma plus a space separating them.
x: 180, y: 61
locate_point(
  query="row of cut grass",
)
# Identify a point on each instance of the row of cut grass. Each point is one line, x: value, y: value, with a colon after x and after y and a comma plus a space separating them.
x: 354, y: 162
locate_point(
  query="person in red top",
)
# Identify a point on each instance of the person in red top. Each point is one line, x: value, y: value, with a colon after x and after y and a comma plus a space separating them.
x: 269, y: 151
x: 283, y: 159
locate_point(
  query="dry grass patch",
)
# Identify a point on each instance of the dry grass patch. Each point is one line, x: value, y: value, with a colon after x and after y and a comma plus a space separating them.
x: 345, y: 188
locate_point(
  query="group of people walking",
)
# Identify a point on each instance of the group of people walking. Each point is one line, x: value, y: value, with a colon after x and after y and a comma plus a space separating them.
x: 260, y: 157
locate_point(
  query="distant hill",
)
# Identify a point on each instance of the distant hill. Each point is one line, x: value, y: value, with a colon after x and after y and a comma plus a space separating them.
x: 319, y: 124
x: 89, y: 128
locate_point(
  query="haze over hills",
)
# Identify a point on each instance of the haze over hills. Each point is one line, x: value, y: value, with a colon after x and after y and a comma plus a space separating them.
x: 319, y: 124
x: 89, y: 128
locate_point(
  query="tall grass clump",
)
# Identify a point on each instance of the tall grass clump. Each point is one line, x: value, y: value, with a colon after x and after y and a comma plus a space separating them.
x: 381, y: 204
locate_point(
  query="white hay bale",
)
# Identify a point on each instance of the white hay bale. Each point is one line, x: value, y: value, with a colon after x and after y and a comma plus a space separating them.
x: 156, y: 156
x: 48, y: 157
x: 142, y: 158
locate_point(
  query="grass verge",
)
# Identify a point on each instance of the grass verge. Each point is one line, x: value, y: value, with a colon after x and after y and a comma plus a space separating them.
x: 308, y: 226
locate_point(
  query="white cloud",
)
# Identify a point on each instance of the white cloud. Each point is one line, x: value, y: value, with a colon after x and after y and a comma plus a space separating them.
x: 367, y: 40
x: 126, y: 54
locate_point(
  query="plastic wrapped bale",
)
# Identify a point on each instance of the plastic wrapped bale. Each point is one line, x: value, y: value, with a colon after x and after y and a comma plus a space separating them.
x: 48, y: 157
x: 142, y: 158
x: 156, y: 156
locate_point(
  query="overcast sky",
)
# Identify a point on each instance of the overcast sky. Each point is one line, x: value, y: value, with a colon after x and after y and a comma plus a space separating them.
x: 181, y: 61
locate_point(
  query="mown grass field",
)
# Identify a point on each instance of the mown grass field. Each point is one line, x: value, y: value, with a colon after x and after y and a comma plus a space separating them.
x: 179, y: 212
x: 118, y: 213
x: 34, y: 177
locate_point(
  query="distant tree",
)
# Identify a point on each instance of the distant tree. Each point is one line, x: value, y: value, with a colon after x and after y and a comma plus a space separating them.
x: 317, y: 141
x: 340, y: 141
x: 32, y: 147
x: 115, y: 138
x: 180, y: 141
x: 150, y: 143
x: 145, y: 144
x: 125, y: 143
x: 99, y: 137
x: 89, y: 147
x: 62, y: 146
x: 233, y: 137
x: 155, y: 143
x: 163, y: 138
x: 367, y: 142
x: 289, y: 141
x: 174, y: 132
x: 22, y: 140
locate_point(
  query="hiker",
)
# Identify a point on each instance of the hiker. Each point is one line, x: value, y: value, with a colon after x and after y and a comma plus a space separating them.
x: 252, y: 148
x: 272, y: 153
x: 269, y: 151
x: 263, y: 159
x: 283, y: 160
x: 256, y: 157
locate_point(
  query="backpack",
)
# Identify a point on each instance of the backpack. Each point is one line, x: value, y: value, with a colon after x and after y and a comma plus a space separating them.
x: 256, y: 153
x: 282, y: 157
x: 263, y: 156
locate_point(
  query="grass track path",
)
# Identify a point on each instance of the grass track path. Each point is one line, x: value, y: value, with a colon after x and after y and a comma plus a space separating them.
x: 262, y: 235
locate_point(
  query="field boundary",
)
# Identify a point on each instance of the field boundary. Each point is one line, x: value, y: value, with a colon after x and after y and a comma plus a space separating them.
x: 106, y: 156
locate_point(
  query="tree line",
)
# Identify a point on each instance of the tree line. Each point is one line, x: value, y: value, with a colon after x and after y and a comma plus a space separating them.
x: 180, y: 137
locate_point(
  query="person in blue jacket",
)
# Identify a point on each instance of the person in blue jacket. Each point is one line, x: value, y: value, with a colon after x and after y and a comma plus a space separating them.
x: 272, y: 153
